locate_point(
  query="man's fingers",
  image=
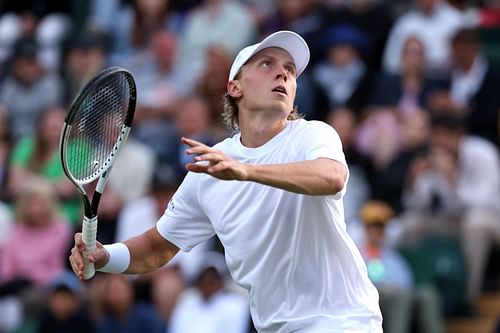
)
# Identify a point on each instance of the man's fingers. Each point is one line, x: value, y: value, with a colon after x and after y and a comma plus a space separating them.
x: 79, y: 241
x: 212, y: 157
x: 98, y: 257
x: 191, y: 142
x: 76, y: 261
x: 195, y: 167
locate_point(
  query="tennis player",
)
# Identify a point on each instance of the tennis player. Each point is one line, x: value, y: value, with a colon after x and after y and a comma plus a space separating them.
x: 273, y: 195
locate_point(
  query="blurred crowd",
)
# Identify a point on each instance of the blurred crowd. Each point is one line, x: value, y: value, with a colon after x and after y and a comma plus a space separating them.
x: 411, y: 86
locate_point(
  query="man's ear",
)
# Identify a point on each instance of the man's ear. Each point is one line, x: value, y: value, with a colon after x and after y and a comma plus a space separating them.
x: 234, y: 89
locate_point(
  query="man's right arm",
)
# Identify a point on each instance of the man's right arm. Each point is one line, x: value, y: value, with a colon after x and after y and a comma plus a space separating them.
x: 148, y: 252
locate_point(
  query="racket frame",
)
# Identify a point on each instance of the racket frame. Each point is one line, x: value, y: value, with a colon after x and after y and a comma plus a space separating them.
x: 89, y: 224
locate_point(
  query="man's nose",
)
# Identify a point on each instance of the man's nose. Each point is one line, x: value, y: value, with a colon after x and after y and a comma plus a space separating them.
x: 281, y: 73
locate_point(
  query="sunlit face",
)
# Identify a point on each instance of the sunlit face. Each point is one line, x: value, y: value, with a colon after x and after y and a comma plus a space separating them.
x: 268, y: 81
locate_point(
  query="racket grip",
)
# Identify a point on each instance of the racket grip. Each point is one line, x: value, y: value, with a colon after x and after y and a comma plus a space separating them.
x: 89, y: 235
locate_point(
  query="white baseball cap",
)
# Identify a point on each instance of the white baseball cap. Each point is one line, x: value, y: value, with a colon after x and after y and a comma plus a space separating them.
x: 289, y: 41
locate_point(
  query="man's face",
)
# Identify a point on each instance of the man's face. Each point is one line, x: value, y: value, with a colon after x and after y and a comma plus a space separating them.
x: 268, y: 81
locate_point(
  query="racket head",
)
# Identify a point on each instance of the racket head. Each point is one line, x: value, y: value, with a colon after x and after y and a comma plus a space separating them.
x: 97, y: 123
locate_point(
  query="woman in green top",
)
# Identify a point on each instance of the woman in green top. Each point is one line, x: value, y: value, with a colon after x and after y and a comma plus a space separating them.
x: 38, y: 156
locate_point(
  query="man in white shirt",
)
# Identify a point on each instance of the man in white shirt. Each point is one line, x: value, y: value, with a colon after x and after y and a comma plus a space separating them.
x: 273, y: 194
x: 434, y: 22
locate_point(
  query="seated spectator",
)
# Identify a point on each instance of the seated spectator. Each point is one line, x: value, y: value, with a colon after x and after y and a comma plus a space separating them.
x: 411, y: 88
x: 36, y: 250
x: 387, y: 269
x: 342, y: 76
x: 65, y: 311
x: 209, y: 307
x: 473, y: 89
x: 28, y: 89
x: 432, y: 21
x: 121, y: 313
x: 459, y: 163
x: 373, y: 17
x: 135, y: 26
x: 48, y: 21
x: 37, y: 156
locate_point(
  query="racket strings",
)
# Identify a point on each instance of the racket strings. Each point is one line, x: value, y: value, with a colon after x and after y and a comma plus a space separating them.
x: 97, y: 126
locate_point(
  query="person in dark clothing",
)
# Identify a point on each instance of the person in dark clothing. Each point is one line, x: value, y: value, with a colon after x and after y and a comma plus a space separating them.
x: 65, y: 313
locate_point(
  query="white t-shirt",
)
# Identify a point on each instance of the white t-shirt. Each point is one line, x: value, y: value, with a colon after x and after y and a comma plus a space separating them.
x: 290, y: 251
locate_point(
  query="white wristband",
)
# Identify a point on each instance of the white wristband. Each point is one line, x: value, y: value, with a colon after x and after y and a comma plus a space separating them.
x: 119, y: 258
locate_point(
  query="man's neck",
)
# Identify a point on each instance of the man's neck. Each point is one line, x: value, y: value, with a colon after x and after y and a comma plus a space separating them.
x: 259, y: 129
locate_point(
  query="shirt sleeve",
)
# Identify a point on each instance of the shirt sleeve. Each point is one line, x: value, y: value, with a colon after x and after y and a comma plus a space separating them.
x: 184, y: 222
x: 320, y: 140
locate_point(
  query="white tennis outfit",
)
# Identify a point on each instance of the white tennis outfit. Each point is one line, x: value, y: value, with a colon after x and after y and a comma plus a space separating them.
x: 290, y: 251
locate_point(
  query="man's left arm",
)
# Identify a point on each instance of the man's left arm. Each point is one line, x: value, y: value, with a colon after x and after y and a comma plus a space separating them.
x: 321, y: 176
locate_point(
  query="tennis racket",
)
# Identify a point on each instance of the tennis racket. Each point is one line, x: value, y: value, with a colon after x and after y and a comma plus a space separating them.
x: 94, y: 131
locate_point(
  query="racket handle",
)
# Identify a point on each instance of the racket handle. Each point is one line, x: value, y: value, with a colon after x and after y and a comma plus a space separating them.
x: 89, y: 235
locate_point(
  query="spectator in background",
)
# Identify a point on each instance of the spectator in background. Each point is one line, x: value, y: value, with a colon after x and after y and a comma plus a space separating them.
x: 121, y: 313
x: 37, y: 156
x: 28, y: 89
x: 65, y: 311
x: 411, y: 88
x: 477, y: 168
x: 342, y: 75
x: 434, y: 22
x: 209, y: 307
x: 229, y: 24
x: 473, y: 89
x: 388, y: 270
x: 47, y: 21
x: 135, y: 26
x: 441, y: 187
x: 85, y: 57
x: 370, y: 16
x: 35, y: 252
